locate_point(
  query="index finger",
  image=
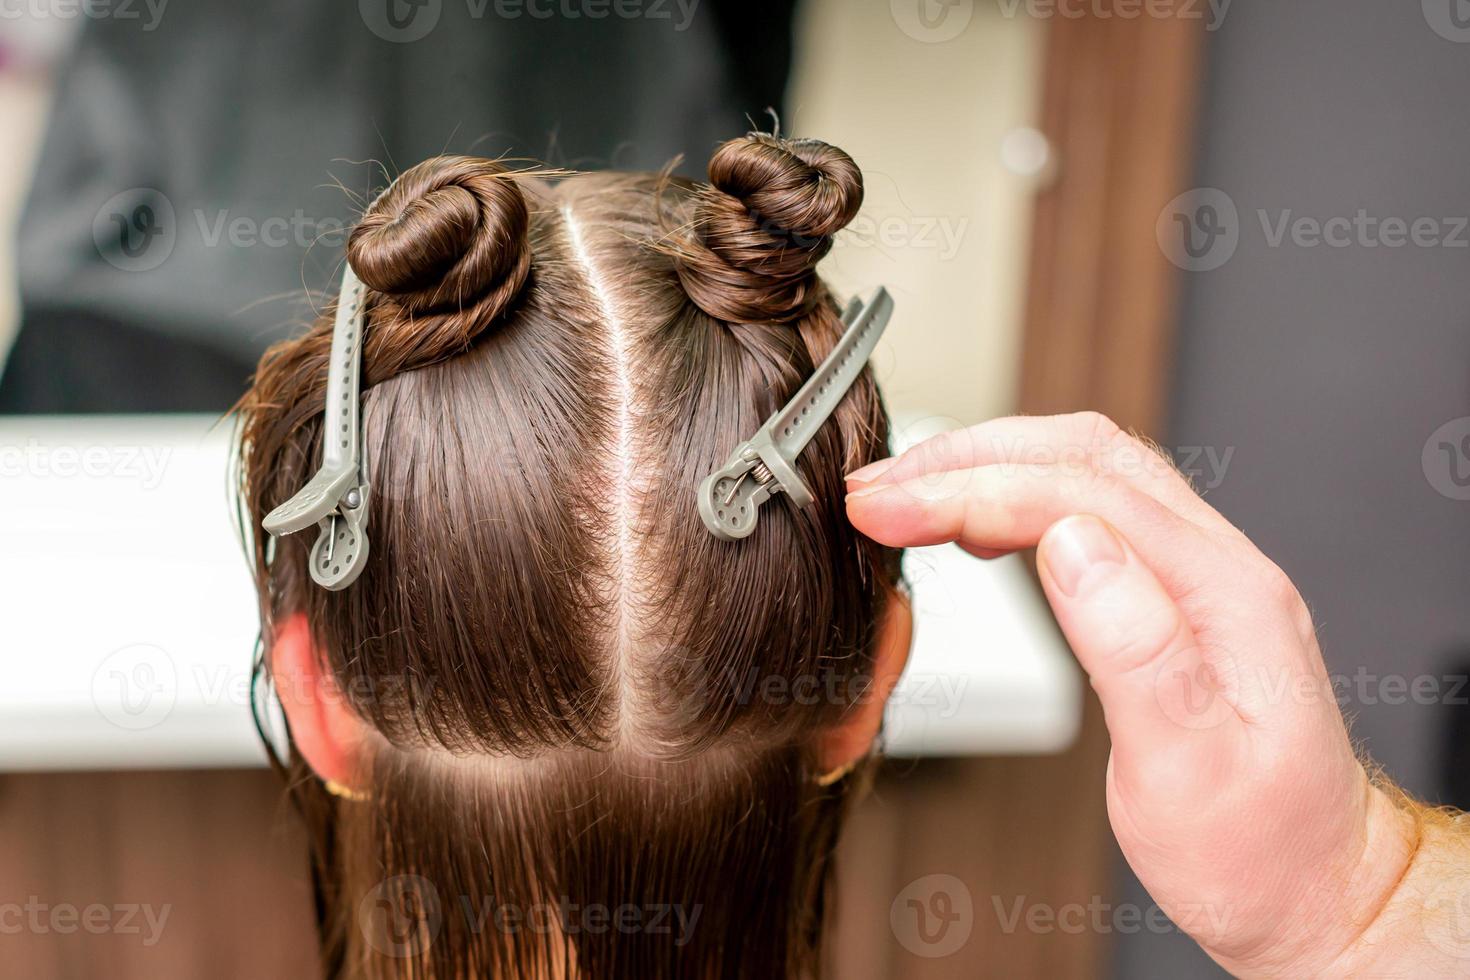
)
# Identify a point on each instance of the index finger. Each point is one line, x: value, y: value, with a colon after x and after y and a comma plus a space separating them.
x: 1083, y: 441
x: 993, y: 509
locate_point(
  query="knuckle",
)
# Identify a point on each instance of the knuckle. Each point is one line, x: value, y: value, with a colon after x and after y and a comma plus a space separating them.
x: 1111, y: 449
x: 1302, y: 620
x: 1280, y: 589
x: 1095, y: 427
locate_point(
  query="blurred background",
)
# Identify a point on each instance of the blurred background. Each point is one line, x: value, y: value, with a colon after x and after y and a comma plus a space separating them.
x: 1237, y: 227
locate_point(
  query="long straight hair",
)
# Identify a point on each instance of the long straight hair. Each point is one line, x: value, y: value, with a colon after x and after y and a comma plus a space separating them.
x: 595, y: 729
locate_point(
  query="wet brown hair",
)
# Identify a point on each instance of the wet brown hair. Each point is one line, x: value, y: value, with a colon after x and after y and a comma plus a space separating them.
x: 591, y: 711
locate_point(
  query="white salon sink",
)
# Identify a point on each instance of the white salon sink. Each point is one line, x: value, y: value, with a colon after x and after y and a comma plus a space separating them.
x: 128, y: 615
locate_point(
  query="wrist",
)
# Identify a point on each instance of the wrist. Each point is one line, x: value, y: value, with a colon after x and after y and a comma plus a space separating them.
x: 1344, y: 908
x: 1422, y: 927
x: 1378, y: 889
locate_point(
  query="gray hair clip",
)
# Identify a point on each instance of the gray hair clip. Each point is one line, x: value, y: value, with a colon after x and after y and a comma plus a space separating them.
x: 336, y: 498
x: 765, y: 464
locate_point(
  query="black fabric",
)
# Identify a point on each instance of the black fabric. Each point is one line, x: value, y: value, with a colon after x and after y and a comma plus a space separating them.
x: 1454, y: 711
x: 74, y: 363
x: 186, y: 196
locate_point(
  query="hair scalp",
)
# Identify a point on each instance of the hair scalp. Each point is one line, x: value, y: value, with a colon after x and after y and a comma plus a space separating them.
x: 564, y: 667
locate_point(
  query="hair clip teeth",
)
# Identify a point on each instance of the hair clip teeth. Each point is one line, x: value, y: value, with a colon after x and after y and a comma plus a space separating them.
x: 765, y: 464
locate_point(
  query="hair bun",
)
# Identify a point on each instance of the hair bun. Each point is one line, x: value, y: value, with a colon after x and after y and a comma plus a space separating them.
x: 766, y: 219
x: 446, y: 248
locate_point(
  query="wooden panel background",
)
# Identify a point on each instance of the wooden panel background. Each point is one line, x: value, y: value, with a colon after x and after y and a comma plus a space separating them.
x: 1119, y: 102
x: 213, y: 849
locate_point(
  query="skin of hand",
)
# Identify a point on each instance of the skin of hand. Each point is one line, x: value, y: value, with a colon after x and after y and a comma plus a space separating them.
x: 1232, y: 787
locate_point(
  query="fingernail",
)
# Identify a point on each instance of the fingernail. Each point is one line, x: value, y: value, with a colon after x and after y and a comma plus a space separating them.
x: 1076, y: 546
x: 871, y: 472
x: 869, y: 490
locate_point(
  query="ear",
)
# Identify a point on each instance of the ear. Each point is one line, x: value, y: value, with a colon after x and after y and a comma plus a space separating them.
x: 328, y: 733
x: 853, y: 738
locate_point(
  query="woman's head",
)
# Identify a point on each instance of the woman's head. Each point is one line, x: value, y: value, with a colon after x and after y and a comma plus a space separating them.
x: 573, y: 710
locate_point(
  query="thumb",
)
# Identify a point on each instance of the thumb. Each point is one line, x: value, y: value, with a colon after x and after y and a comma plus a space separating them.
x: 1130, y: 636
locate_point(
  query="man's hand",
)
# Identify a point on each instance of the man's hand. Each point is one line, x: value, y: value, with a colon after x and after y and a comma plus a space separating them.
x: 1232, y: 787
